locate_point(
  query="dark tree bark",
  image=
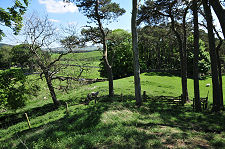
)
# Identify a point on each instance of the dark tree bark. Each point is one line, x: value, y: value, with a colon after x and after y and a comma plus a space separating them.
x: 219, y: 67
x: 197, y: 102
x: 213, y: 57
x: 218, y: 9
x: 186, y: 98
x: 220, y: 78
x: 136, y: 53
x: 183, y: 59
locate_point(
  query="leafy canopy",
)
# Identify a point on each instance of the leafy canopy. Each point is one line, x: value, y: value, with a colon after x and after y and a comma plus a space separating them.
x: 120, y: 54
x: 5, y: 58
x: 20, y: 54
x: 12, y: 88
x: 106, y: 9
x: 12, y: 16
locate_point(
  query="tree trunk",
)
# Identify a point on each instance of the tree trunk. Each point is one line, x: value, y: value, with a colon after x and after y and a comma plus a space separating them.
x: 110, y: 76
x: 183, y: 76
x: 220, y: 77
x: 105, y: 49
x: 51, y: 89
x: 183, y: 60
x: 186, y: 98
x: 218, y: 9
x: 213, y: 57
x: 197, y: 103
x: 136, y: 54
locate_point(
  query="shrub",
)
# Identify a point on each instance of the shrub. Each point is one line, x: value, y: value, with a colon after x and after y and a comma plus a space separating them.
x: 12, y: 88
x: 5, y: 59
x: 204, y: 58
x: 119, y: 54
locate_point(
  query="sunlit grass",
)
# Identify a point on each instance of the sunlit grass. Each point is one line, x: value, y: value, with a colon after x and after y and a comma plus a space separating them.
x: 113, y: 122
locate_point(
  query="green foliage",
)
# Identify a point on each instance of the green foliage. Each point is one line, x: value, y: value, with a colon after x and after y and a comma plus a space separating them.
x: 12, y: 16
x: 204, y: 58
x: 12, y: 88
x: 107, y: 10
x: 93, y: 34
x: 120, y: 54
x: 70, y: 42
x: 5, y: 57
x: 21, y: 55
x: 158, y: 48
x: 113, y: 124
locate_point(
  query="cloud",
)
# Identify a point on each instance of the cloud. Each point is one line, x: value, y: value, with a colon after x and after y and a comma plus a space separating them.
x: 54, y: 6
x: 53, y: 20
x: 72, y: 23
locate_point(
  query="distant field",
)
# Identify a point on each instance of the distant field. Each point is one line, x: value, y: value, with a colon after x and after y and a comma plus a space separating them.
x: 88, y: 59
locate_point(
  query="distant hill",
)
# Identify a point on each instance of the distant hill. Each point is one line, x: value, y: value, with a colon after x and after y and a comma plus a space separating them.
x: 61, y: 49
x: 3, y: 44
x: 83, y: 49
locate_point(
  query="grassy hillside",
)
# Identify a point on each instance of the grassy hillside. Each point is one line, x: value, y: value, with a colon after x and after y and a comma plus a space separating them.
x: 90, y: 60
x: 112, y: 122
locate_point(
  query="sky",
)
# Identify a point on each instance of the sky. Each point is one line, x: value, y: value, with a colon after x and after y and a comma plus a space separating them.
x: 61, y: 15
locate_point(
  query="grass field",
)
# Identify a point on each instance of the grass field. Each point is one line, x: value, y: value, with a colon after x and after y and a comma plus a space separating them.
x: 113, y: 122
x: 88, y: 59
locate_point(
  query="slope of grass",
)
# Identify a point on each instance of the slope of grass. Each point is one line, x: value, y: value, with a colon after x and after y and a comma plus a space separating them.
x: 111, y: 123
x: 118, y: 125
x: 90, y: 60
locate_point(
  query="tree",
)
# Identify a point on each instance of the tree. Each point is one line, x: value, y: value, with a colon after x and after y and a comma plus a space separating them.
x: 218, y: 50
x: 119, y: 53
x: 155, y: 12
x: 203, y: 62
x: 136, y: 53
x: 197, y: 102
x: 12, y: 89
x: 158, y: 48
x: 5, y: 58
x: 12, y: 16
x: 20, y: 55
x: 99, y: 11
x: 220, y: 11
x: 40, y: 33
x: 213, y: 56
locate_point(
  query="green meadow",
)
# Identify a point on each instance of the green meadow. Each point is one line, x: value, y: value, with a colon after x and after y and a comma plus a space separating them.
x: 111, y: 122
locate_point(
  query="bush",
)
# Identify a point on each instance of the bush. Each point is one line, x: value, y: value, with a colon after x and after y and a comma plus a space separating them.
x: 12, y: 88
x: 204, y: 58
x: 21, y: 55
x: 5, y: 59
x: 119, y: 54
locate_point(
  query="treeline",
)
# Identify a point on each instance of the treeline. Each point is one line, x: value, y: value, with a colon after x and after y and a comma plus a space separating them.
x: 159, y: 51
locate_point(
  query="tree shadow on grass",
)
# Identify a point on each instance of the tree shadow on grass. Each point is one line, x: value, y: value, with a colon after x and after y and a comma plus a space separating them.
x: 184, y: 119
x: 79, y: 122
x: 83, y: 127
x: 13, y: 119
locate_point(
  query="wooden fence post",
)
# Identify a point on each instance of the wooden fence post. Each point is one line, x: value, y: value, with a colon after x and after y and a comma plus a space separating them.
x: 121, y: 97
x: 144, y: 96
x: 28, y: 121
